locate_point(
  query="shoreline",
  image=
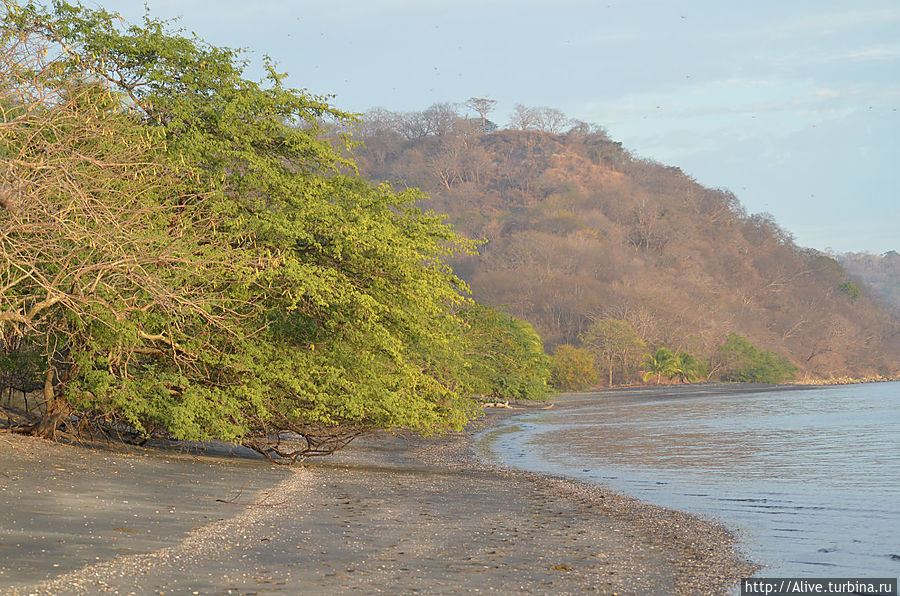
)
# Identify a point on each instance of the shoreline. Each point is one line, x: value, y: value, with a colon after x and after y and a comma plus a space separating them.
x: 831, y: 381
x: 390, y: 513
x: 710, y: 558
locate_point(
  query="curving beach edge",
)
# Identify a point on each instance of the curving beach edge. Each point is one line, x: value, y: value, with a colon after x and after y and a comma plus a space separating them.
x: 390, y: 514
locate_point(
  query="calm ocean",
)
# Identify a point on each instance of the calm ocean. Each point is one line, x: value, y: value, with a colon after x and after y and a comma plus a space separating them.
x: 808, y: 478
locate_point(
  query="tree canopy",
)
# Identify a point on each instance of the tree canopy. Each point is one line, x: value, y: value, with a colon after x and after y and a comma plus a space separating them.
x: 186, y: 255
x: 573, y: 369
x: 615, y: 345
x: 661, y: 362
x: 506, y: 358
x: 745, y: 363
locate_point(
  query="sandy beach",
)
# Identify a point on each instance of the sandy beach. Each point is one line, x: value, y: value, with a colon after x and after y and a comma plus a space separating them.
x: 390, y: 514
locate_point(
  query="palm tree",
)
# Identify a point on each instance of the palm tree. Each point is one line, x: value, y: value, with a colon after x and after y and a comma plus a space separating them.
x: 662, y: 362
x: 686, y: 367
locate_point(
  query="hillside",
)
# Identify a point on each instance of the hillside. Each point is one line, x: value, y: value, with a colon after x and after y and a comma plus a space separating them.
x: 576, y: 229
x: 880, y: 273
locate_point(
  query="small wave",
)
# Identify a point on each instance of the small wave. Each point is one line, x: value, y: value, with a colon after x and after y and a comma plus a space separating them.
x: 790, y: 508
x: 820, y: 564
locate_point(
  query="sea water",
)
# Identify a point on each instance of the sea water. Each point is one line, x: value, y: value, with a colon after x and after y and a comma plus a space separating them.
x: 809, y: 479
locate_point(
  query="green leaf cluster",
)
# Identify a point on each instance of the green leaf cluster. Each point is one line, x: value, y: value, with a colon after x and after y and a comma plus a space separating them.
x: 505, y: 357
x: 573, y: 369
x: 850, y: 289
x: 745, y: 363
x: 672, y: 364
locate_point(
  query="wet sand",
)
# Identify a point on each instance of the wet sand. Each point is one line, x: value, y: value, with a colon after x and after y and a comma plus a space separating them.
x: 390, y: 514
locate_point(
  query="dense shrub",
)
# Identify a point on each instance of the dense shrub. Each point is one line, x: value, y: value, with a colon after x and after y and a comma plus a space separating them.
x: 573, y: 368
x: 506, y: 358
x: 745, y: 363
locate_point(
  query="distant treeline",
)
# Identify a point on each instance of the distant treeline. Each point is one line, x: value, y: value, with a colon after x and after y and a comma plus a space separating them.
x: 577, y: 230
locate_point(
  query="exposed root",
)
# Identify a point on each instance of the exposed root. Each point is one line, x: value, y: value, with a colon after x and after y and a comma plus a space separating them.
x: 300, y: 446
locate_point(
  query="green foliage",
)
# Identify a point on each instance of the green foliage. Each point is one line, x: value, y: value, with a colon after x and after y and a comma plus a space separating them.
x: 682, y: 365
x: 745, y: 363
x: 19, y: 366
x: 662, y: 362
x: 274, y: 290
x: 849, y: 288
x: 689, y: 368
x: 573, y: 369
x: 506, y: 357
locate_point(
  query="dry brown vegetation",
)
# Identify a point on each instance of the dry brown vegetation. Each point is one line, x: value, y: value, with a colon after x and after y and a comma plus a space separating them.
x: 579, y: 229
x: 880, y: 273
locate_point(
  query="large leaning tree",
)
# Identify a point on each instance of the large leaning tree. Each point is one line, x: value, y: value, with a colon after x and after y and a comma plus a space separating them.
x: 185, y: 256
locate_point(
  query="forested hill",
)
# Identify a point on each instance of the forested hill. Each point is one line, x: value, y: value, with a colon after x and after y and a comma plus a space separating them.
x: 578, y: 229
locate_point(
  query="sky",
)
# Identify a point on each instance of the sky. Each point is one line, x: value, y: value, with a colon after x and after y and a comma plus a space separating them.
x: 793, y: 106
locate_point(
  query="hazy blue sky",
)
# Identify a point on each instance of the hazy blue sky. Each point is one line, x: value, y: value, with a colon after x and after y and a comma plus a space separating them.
x: 791, y: 105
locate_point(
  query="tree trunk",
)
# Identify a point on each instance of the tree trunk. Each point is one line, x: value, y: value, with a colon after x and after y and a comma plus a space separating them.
x: 56, y: 410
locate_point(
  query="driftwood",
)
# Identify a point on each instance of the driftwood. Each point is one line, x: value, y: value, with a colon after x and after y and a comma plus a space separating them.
x: 496, y: 404
x: 505, y: 404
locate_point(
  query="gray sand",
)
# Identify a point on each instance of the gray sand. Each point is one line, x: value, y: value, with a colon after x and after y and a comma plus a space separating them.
x: 387, y: 515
